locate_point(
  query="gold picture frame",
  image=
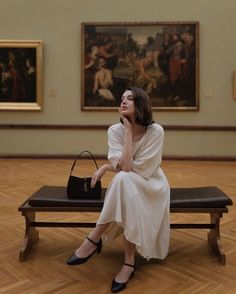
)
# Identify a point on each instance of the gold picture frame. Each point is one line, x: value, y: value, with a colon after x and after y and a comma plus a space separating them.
x: 160, y: 57
x: 234, y: 85
x: 21, y: 75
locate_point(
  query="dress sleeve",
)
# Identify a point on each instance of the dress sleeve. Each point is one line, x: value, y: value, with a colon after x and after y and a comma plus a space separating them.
x: 115, y: 146
x: 148, y: 158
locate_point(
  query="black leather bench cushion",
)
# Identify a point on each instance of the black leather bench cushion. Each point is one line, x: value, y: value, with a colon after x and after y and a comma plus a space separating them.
x: 54, y: 196
x: 201, y: 197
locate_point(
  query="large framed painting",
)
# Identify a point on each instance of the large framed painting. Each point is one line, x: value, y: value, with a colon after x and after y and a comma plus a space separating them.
x: 160, y: 57
x: 21, y: 75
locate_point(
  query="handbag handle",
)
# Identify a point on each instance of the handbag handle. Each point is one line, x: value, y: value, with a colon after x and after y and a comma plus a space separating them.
x: 78, y: 156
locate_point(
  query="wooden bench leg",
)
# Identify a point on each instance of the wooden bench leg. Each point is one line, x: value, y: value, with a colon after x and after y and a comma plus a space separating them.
x: 214, y: 237
x: 31, y: 235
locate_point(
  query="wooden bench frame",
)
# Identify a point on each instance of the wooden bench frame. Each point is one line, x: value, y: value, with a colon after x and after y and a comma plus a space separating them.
x: 32, y: 235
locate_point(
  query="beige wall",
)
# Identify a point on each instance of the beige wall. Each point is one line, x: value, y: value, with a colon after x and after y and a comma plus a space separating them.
x: 58, y: 23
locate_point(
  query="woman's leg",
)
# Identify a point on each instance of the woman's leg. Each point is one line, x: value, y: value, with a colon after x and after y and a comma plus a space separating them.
x: 126, y: 271
x: 87, y: 247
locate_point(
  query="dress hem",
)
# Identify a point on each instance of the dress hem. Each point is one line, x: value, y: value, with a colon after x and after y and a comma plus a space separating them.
x: 127, y: 238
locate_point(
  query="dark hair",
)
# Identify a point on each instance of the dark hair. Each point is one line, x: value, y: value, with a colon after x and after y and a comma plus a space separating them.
x: 143, y: 108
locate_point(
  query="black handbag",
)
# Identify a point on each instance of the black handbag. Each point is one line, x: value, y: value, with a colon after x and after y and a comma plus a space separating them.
x: 80, y: 188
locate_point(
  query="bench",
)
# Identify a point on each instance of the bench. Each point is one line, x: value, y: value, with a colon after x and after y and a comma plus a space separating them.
x: 207, y: 200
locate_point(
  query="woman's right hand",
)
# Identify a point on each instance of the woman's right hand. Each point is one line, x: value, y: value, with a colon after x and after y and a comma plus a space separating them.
x: 100, y: 172
x: 97, y: 176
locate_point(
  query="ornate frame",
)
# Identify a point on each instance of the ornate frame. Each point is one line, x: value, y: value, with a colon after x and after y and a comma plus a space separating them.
x: 160, y: 57
x: 21, y: 75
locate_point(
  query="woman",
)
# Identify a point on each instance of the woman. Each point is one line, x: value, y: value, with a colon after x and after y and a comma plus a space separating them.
x: 137, y: 200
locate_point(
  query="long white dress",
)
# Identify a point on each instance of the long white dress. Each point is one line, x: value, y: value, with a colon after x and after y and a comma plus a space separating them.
x: 137, y: 202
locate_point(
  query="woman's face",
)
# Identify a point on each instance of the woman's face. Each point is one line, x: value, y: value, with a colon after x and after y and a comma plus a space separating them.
x: 127, y: 104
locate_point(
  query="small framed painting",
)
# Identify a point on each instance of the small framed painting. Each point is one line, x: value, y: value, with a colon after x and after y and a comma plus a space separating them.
x: 21, y: 75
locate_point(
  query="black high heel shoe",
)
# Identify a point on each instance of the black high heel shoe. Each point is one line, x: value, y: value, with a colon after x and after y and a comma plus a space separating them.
x: 116, y: 286
x: 73, y: 260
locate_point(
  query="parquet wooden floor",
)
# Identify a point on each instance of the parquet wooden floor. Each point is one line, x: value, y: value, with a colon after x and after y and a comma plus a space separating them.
x: 190, y: 267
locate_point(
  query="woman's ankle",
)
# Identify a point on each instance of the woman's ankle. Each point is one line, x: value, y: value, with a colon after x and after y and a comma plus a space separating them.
x: 95, y: 237
x: 129, y: 260
x: 97, y: 232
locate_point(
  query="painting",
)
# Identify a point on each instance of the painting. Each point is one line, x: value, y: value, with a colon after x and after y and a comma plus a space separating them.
x: 21, y: 75
x: 162, y: 58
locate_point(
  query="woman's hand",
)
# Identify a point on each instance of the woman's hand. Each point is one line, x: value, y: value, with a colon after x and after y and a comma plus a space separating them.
x: 125, y: 161
x: 126, y: 122
x: 97, y: 176
x: 100, y: 172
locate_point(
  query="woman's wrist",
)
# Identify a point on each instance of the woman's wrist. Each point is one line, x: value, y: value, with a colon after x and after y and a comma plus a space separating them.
x: 107, y: 167
x: 128, y: 131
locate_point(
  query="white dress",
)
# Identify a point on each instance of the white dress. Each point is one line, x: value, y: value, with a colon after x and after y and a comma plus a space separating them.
x: 137, y: 202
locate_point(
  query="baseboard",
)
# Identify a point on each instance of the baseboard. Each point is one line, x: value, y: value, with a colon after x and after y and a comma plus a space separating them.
x: 105, y: 127
x: 101, y: 156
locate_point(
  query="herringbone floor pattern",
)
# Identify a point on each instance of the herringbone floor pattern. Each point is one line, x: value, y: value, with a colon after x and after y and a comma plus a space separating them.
x: 190, y: 267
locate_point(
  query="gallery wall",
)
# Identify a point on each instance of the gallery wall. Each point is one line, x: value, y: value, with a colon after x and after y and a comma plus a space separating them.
x: 209, y: 132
